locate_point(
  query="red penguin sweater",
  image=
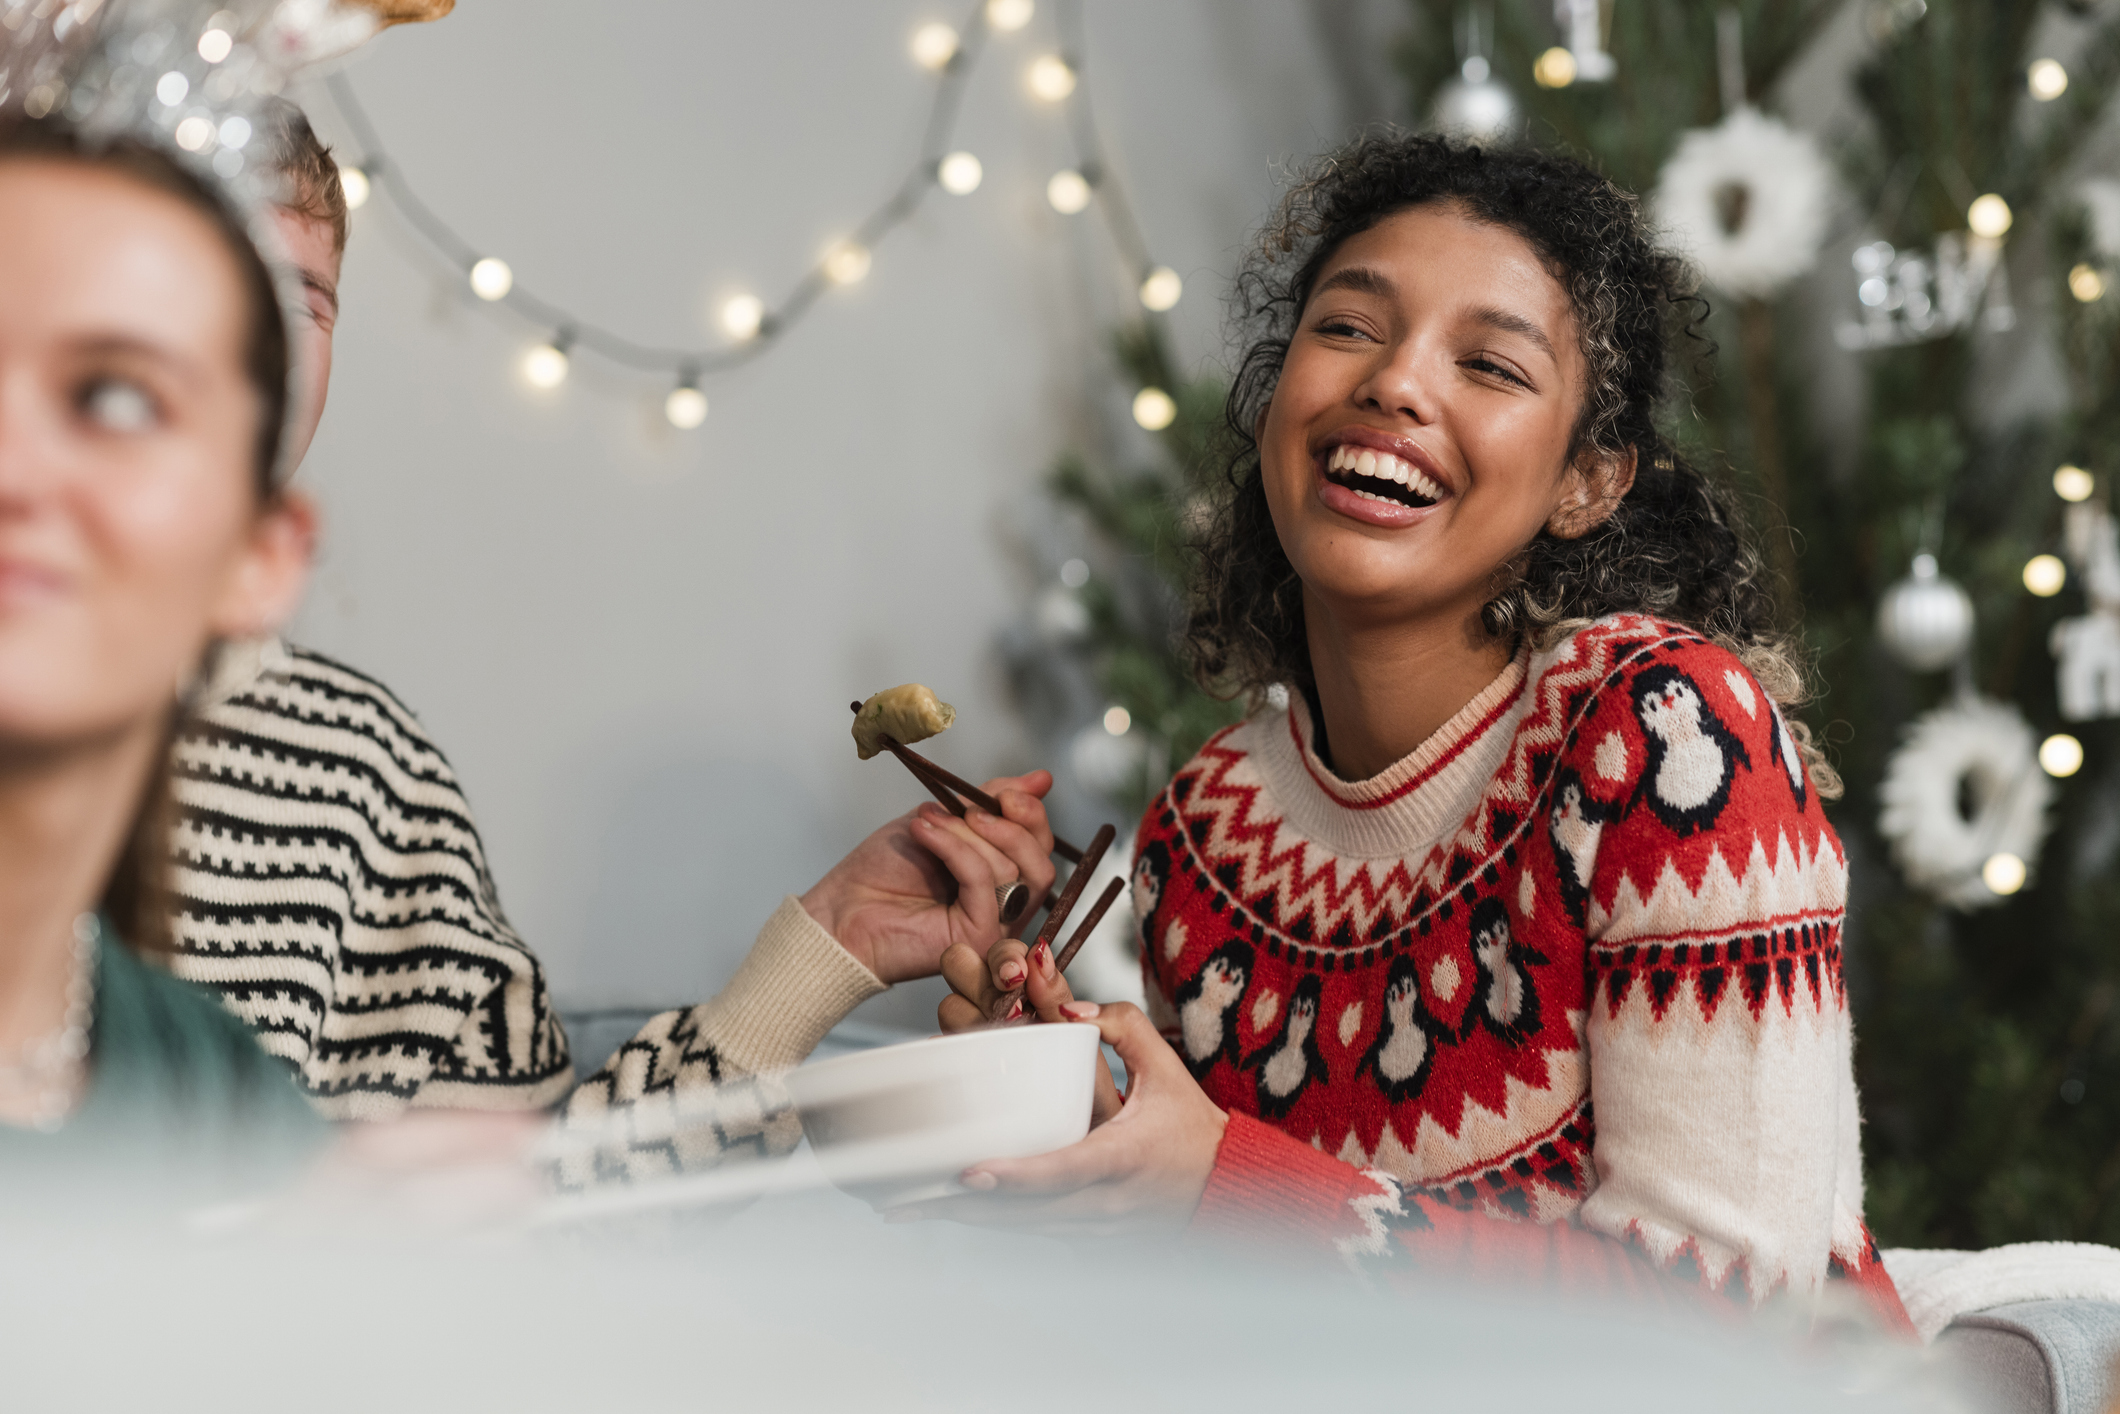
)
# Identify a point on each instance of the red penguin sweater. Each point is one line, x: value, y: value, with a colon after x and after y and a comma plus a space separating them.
x: 1574, y: 965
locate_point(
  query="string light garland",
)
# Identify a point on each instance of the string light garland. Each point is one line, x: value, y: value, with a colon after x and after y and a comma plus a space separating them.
x: 749, y: 323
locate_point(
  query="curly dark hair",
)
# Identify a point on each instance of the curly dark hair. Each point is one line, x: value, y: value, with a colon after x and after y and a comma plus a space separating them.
x: 1675, y: 546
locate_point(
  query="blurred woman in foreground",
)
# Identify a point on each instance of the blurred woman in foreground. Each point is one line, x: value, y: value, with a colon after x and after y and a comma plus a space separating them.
x: 143, y: 377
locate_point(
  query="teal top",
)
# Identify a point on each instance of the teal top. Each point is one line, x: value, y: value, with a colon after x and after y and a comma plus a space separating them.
x: 181, y: 1103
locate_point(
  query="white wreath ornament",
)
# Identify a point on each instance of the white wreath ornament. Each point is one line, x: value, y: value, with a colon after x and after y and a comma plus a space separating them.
x: 1987, y: 748
x: 1745, y: 201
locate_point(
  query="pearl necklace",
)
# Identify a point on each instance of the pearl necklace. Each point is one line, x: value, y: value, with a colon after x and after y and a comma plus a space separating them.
x: 55, y: 1068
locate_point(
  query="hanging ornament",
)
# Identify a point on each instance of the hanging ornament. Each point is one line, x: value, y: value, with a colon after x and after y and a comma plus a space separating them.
x: 1746, y: 202
x: 2088, y: 647
x: 1476, y: 105
x: 1583, y: 21
x: 1965, y: 802
x: 1925, y: 620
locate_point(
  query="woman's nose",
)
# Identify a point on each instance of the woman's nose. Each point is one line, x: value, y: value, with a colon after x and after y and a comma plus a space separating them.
x: 1401, y: 384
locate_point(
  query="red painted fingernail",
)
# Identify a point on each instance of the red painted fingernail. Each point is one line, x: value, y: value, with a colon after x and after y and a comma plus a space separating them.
x: 1043, y: 954
x: 1015, y: 1010
x: 1011, y: 973
x: 1079, y: 1011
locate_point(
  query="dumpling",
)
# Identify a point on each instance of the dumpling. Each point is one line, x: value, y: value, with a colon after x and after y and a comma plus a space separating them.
x: 906, y: 714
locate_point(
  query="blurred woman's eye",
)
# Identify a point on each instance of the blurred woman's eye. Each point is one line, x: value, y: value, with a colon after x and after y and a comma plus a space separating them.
x: 115, y: 405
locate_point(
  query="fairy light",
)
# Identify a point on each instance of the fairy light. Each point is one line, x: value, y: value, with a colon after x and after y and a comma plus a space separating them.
x: 1154, y: 409
x: 2073, y: 483
x: 2004, y: 874
x: 959, y: 173
x: 1051, y: 77
x: 2044, y: 575
x: 545, y: 366
x: 171, y: 88
x: 686, y: 407
x: 742, y: 316
x: 1075, y: 573
x: 1118, y: 721
x: 934, y: 46
x: 1555, y: 68
x: 1988, y: 216
x: 847, y: 263
x: 194, y: 133
x: 216, y: 44
x: 2046, y: 79
x: 1068, y: 192
x: 2086, y: 284
x: 491, y: 279
x: 235, y: 133
x: 1161, y: 289
x: 1008, y: 16
x: 354, y: 183
x: 2061, y: 755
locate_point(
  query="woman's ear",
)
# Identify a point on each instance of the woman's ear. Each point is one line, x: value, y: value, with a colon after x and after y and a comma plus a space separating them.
x: 271, y: 571
x: 1593, y: 489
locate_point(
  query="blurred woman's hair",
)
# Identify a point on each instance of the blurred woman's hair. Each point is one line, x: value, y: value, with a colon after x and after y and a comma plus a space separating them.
x: 136, y: 897
x: 1675, y: 547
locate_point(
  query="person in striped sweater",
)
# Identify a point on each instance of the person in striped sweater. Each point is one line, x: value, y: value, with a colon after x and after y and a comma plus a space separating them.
x: 331, y: 889
x: 1508, y: 942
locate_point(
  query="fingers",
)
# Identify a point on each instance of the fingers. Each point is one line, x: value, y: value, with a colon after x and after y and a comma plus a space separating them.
x: 1022, y: 802
x: 1007, y: 965
x: 1045, y: 990
x: 956, y: 1014
x: 966, y: 972
x: 970, y: 861
x: 1019, y: 845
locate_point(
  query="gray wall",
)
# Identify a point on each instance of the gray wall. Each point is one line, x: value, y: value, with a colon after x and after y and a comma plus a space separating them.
x: 637, y: 645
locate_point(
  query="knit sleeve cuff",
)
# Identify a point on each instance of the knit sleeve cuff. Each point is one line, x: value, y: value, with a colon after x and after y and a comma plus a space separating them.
x: 796, y: 984
x: 1268, y: 1186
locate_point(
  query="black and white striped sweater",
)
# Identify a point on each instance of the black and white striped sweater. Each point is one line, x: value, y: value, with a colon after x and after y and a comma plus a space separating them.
x: 333, y: 890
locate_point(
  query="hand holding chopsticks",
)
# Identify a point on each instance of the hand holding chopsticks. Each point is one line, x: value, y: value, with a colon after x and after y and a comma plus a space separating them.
x: 947, y: 787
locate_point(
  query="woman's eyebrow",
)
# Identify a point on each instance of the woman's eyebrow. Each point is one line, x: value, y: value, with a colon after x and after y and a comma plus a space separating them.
x: 1510, y: 323
x: 1362, y: 280
x: 131, y: 349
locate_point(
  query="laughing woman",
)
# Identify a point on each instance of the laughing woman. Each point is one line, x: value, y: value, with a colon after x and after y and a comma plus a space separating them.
x: 1513, y: 940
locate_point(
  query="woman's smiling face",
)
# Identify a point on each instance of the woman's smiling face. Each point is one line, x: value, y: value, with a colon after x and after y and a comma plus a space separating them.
x: 1418, y: 438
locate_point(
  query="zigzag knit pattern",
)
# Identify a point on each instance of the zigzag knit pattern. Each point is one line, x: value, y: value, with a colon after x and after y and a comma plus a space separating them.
x: 1573, y: 964
x: 332, y: 890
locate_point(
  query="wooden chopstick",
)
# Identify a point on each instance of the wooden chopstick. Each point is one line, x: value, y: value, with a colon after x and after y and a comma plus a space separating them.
x: 1062, y: 906
x: 940, y: 782
x: 1089, y: 924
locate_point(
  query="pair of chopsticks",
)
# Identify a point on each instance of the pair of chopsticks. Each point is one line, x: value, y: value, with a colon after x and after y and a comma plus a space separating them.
x: 946, y: 788
x: 1070, y: 893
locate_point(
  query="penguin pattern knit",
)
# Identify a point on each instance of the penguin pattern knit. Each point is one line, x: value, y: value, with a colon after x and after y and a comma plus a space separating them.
x: 1574, y: 965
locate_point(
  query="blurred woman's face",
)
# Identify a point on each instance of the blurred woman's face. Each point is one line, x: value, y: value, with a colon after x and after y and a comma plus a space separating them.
x: 130, y: 530
x: 1419, y: 436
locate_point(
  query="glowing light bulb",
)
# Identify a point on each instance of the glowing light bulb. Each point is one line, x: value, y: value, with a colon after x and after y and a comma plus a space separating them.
x: 686, y: 407
x: 1075, y: 573
x: 2003, y: 874
x: 742, y: 316
x: 194, y: 133
x: 2046, y: 79
x: 546, y: 365
x: 1160, y: 289
x: 846, y: 263
x: 215, y: 45
x: 2085, y: 283
x: 934, y: 46
x: 2044, y: 575
x: 2073, y: 483
x: 959, y: 173
x: 1555, y: 68
x: 1067, y: 192
x: 2061, y: 755
x: 491, y: 279
x: 1008, y: 16
x: 1051, y: 78
x: 354, y: 182
x: 171, y: 88
x: 1154, y: 409
x: 1118, y: 721
x: 1988, y: 216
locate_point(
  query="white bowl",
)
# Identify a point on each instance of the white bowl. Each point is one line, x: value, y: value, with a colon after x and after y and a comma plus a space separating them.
x: 899, y: 1123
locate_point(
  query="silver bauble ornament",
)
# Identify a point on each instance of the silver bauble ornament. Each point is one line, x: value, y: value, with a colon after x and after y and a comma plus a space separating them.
x: 1476, y: 105
x: 1925, y: 620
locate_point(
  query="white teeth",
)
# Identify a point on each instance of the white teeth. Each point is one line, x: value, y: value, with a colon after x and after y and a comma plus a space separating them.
x: 1400, y: 471
x: 1365, y: 464
x: 1382, y: 466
